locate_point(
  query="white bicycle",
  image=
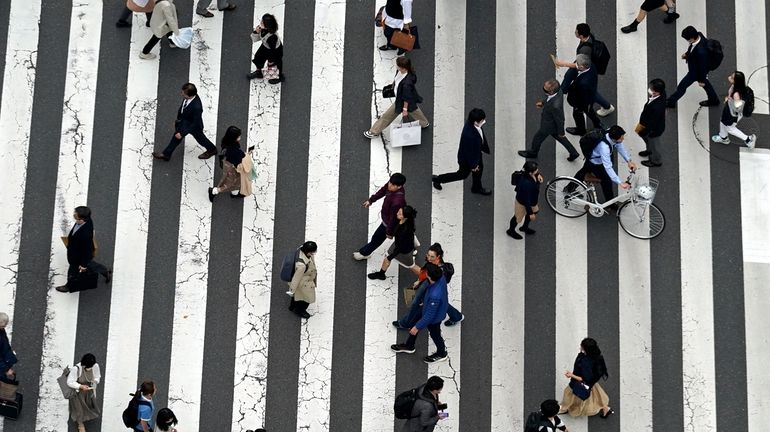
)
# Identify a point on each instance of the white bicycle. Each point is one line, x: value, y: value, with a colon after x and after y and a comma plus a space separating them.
x: 637, y: 215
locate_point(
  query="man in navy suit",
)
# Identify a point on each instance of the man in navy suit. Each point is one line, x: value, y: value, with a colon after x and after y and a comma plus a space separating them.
x: 80, y: 250
x: 189, y: 120
x: 473, y: 141
x: 697, y: 58
x: 581, y: 94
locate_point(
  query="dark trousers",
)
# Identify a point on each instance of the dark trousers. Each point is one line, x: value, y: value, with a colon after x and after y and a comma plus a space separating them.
x: 388, y: 32
x: 598, y: 171
x: 263, y: 54
x: 127, y: 13
x: 653, y: 146
x: 92, y: 266
x: 378, y: 238
x: 198, y: 135
x: 435, y: 333
x: 462, y: 173
x: 541, y: 135
x: 152, y: 42
x: 298, y: 306
x: 580, y: 121
x: 686, y: 82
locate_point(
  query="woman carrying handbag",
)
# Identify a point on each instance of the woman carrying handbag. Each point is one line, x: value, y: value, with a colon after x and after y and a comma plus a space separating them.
x: 84, y: 377
x: 584, y: 396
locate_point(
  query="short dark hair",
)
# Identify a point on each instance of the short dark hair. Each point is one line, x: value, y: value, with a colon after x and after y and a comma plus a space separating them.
x: 308, y: 247
x: 616, y: 132
x: 689, y: 32
x: 165, y: 419
x: 583, y: 29
x: 434, y: 383
x: 271, y: 24
x: 549, y: 407
x: 88, y: 360
x: 530, y: 166
x: 83, y: 212
x: 147, y: 388
x: 434, y: 272
x: 658, y: 85
x: 398, y: 179
x: 189, y: 89
x: 476, y: 115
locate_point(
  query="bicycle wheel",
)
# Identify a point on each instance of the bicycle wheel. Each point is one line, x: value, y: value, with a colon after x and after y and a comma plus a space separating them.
x: 643, y: 221
x: 561, y: 194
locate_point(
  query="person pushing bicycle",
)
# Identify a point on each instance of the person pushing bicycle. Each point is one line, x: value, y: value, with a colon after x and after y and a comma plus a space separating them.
x: 599, y: 161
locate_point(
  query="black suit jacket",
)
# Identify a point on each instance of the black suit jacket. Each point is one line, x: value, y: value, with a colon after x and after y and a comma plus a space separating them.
x: 583, y: 89
x: 80, y: 245
x: 407, y: 92
x: 552, y: 117
x: 698, y: 59
x: 471, y: 146
x: 191, y: 120
x: 653, y: 117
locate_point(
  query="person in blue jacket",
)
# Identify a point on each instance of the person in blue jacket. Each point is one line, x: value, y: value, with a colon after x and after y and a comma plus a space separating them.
x: 473, y: 142
x: 434, y: 309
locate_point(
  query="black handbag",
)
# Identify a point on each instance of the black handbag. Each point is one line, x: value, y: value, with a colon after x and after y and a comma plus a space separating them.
x: 389, y: 91
x: 580, y: 390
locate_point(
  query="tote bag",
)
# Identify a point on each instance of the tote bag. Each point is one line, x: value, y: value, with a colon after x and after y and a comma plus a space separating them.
x: 405, y: 134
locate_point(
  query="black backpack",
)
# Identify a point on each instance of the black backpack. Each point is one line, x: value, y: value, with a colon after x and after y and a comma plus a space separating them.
x: 600, y: 55
x: 287, y: 266
x: 590, y: 140
x: 404, y: 403
x: 715, y: 53
x: 534, y: 421
x: 449, y: 271
x: 748, y: 102
x: 516, y: 178
x: 131, y: 413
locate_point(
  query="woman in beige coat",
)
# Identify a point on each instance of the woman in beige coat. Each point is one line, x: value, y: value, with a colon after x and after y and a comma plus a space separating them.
x: 302, y: 285
x: 163, y: 23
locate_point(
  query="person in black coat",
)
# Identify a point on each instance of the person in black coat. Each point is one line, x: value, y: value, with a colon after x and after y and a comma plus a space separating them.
x: 525, y: 205
x: 270, y: 49
x: 652, y: 122
x: 697, y: 58
x: 189, y: 120
x: 581, y: 93
x: 80, y: 249
x: 473, y: 142
x: 551, y: 122
x: 407, y: 100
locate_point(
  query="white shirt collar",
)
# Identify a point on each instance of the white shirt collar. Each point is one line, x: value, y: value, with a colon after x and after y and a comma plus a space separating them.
x: 551, y: 97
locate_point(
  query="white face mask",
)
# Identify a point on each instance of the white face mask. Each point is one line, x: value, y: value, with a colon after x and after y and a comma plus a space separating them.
x: 649, y: 92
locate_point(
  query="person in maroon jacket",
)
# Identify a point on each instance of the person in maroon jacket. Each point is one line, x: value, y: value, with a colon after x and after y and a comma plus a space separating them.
x: 395, y: 199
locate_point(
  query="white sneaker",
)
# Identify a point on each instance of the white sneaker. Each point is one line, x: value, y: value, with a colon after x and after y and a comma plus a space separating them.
x: 148, y: 56
x: 752, y: 141
x: 359, y: 257
x: 369, y: 135
x: 601, y: 112
x: 718, y: 139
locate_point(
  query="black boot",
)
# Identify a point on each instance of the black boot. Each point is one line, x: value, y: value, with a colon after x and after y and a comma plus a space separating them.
x: 511, y: 231
x: 377, y: 275
x: 525, y: 227
x: 631, y: 27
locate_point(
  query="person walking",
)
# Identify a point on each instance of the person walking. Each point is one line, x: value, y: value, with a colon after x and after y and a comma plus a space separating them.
x: 586, y: 47
x: 270, y: 49
x: 397, y: 15
x: 648, y: 6
x: 165, y: 421
x: 189, y: 120
x: 403, y: 243
x: 733, y: 112
x: 581, y: 94
x: 407, y: 100
x: 652, y: 122
x: 425, y: 412
x: 473, y: 142
x: 231, y: 157
x: 7, y: 355
x: 551, y: 122
x: 434, y: 310
x: 163, y: 23
x: 435, y: 255
x: 203, y: 7
x: 80, y: 251
x: 547, y: 419
x: 600, y: 162
x: 395, y: 199
x: 303, y: 283
x: 584, y: 396
x: 84, y: 377
x: 146, y: 407
x: 525, y: 207
x: 697, y: 58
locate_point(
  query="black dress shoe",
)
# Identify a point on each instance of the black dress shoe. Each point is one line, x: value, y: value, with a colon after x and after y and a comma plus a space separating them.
x: 650, y: 164
x: 387, y: 48
x: 527, y: 154
x: 644, y: 153
x: 670, y: 18
x: 62, y: 288
x: 160, y: 156
x: 514, y: 234
x: 573, y: 157
x: 257, y: 74
x: 575, y: 131
x: 482, y: 191
x: 436, y: 183
x: 708, y: 103
x: 211, y: 194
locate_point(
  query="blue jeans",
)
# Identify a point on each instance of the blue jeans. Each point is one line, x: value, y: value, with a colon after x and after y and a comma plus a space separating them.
x: 686, y: 82
x: 415, y: 309
x: 378, y: 238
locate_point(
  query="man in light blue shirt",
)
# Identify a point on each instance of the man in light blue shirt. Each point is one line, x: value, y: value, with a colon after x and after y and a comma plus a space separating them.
x: 600, y: 162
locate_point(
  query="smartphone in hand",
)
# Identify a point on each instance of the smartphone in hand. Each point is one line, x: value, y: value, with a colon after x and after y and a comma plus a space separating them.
x: 442, y: 406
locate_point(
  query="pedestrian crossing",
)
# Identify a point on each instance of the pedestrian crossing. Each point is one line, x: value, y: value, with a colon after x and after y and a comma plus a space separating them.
x: 194, y: 304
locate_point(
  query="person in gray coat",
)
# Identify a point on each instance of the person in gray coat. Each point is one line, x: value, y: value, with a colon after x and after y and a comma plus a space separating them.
x: 551, y: 122
x: 425, y: 413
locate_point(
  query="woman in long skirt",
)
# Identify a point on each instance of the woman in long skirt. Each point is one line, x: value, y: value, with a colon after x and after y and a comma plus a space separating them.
x: 584, y: 396
x: 231, y: 157
x: 84, y: 377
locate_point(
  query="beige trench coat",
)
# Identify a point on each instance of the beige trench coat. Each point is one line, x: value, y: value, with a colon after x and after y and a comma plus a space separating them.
x: 303, y: 282
x: 244, y: 169
x: 164, y: 18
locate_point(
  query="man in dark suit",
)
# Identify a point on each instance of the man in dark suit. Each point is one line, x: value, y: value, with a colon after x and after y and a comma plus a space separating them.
x: 581, y: 94
x: 189, y: 120
x: 652, y: 122
x: 551, y: 122
x: 473, y: 141
x: 697, y: 58
x: 80, y: 250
